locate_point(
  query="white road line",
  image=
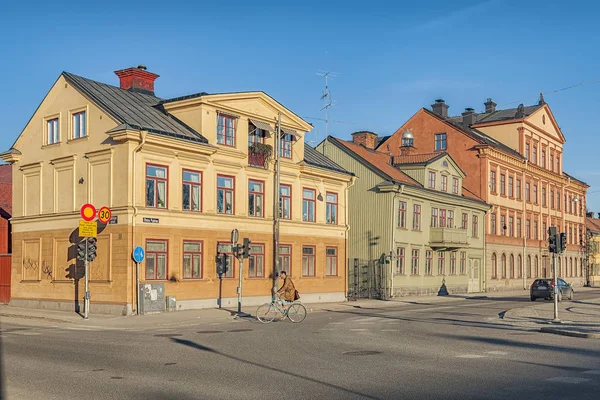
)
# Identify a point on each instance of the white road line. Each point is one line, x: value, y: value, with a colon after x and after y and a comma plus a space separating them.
x: 390, y: 330
x: 366, y: 323
x: 336, y: 323
x: 497, y: 353
x: 592, y: 372
x: 358, y: 330
x: 471, y: 356
x: 327, y: 329
x: 567, y: 379
x: 365, y: 319
x: 394, y: 323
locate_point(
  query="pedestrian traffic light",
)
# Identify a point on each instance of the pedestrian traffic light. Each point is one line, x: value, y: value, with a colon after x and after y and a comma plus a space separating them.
x: 81, y: 250
x: 246, y: 248
x: 563, y: 242
x: 552, y: 245
x: 91, y: 248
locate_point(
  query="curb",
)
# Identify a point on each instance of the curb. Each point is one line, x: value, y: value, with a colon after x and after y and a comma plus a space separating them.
x: 62, y: 321
x: 564, y: 332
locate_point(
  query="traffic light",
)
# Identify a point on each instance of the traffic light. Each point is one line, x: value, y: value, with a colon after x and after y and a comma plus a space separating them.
x: 91, y: 248
x: 81, y: 250
x: 221, y: 261
x: 552, y: 245
x: 246, y: 248
x: 563, y: 242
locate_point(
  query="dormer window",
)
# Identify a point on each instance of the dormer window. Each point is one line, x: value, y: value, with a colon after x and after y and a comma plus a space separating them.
x: 431, y: 180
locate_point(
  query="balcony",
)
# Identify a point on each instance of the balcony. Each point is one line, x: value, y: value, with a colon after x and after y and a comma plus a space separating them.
x: 447, y: 238
x: 259, y: 155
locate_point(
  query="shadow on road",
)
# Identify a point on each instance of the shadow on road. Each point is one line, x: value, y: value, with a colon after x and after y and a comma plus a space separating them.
x: 198, y: 346
x: 513, y: 343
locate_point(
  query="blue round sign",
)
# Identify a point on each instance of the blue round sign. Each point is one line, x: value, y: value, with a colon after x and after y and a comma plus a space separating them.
x: 138, y: 254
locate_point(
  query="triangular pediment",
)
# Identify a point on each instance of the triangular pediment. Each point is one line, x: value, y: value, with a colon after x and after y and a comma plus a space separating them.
x: 446, y: 166
x: 260, y: 106
x: 543, y: 120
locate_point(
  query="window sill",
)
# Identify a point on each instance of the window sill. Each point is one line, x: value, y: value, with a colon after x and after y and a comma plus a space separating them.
x: 79, y: 139
x: 331, y: 276
x: 51, y: 145
x: 195, y: 280
x: 32, y: 281
x: 225, y: 215
x: 308, y: 277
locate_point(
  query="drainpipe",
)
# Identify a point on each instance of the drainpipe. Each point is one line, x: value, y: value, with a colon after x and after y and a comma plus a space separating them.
x: 133, y: 218
x: 524, y: 223
x: 350, y: 184
x: 393, y: 237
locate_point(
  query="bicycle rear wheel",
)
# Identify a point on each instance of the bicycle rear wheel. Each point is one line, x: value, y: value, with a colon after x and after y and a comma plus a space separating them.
x: 296, y: 312
x: 266, y: 313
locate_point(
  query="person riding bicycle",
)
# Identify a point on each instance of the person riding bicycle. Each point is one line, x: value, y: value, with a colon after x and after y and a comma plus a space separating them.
x: 287, y: 292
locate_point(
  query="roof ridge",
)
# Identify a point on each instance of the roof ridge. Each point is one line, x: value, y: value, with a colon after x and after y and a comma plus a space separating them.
x: 108, y: 84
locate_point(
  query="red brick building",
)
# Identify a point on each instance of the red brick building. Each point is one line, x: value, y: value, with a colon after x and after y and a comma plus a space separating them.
x: 513, y: 160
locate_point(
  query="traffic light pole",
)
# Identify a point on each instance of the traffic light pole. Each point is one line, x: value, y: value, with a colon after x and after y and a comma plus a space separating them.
x: 555, y: 288
x: 87, y: 293
x: 241, y: 261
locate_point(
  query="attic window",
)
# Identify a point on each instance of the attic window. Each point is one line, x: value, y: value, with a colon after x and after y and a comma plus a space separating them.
x: 440, y: 141
x: 444, y: 163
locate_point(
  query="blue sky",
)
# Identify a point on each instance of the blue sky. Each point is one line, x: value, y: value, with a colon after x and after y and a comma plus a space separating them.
x: 392, y: 58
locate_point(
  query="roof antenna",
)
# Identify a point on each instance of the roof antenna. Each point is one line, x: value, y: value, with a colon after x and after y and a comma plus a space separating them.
x: 326, y: 97
x: 541, y: 101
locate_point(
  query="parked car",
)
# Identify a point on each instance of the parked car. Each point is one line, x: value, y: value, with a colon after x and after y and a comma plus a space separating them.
x: 544, y: 289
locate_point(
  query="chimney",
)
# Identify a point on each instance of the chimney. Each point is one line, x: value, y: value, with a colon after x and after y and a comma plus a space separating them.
x: 490, y: 106
x: 468, y: 117
x: 440, y: 108
x: 137, y: 79
x: 589, y: 214
x: 366, y: 138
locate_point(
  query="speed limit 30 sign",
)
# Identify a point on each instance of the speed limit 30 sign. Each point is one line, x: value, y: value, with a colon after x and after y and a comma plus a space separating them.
x: 104, y: 215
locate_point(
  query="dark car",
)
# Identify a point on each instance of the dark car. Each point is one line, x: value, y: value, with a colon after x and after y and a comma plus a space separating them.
x: 544, y: 289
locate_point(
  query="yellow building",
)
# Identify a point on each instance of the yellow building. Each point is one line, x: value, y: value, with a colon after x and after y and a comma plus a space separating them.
x: 593, y: 250
x: 179, y: 175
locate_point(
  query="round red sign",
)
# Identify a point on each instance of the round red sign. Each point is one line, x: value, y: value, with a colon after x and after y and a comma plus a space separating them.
x: 88, y: 212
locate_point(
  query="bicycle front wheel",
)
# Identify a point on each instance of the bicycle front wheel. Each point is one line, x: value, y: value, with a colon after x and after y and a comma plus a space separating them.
x: 296, y: 312
x: 266, y: 313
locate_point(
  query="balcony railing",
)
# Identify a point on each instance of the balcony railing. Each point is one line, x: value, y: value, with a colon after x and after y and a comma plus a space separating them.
x: 256, y: 160
x: 447, y: 238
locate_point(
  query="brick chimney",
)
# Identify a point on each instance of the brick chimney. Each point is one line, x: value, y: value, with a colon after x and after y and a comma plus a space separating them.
x: 137, y: 79
x: 366, y: 138
x: 490, y: 106
x: 440, y: 108
x: 468, y: 117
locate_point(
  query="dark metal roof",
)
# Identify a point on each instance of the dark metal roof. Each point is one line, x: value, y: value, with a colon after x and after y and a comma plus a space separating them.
x: 134, y: 110
x: 575, y: 179
x: 500, y: 115
x: 316, y: 159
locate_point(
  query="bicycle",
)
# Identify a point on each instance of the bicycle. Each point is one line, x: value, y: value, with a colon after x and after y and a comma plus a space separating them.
x: 296, y: 312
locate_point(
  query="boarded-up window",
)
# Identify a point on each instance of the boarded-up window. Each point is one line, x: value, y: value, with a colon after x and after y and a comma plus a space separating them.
x: 32, y: 193
x: 101, y: 188
x: 64, y: 189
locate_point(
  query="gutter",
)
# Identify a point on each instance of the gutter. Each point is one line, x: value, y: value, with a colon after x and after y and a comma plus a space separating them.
x: 524, y: 223
x: 134, y: 217
x: 393, y: 238
x: 350, y: 184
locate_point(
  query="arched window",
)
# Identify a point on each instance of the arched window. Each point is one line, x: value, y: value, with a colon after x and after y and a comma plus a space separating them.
x: 494, y: 266
x: 559, y: 267
x: 520, y: 267
x: 529, y: 266
x: 503, y: 266
x: 512, y: 266
x: 535, y: 266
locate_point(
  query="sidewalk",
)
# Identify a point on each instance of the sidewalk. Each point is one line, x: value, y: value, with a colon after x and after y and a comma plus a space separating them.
x: 577, y: 318
x: 31, y: 316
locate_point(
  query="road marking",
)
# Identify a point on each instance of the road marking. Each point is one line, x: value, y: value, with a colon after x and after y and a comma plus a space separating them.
x: 366, y: 323
x: 592, y: 372
x: 567, y: 379
x: 327, y: 329
x: 471, y: 356
x: 390, y: 330
x: 365, y: 319
x: 358, y: 330
x: 394, y: 323
x: 336, y: 323
x: 497, y: 353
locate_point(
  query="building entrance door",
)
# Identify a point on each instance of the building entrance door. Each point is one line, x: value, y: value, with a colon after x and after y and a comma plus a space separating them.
x: 474, y: 273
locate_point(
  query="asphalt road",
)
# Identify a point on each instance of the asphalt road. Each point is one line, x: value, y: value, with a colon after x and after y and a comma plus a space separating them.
x: 458, y: 350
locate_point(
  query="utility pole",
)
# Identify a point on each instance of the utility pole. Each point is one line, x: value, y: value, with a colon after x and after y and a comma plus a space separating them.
x: 276, y: 203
